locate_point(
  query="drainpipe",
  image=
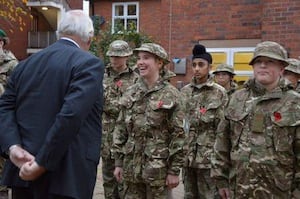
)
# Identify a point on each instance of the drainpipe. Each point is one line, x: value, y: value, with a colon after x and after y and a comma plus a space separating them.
x: 170, y: 26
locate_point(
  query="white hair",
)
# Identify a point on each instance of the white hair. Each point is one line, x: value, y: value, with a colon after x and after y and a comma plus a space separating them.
x: 76, y: 22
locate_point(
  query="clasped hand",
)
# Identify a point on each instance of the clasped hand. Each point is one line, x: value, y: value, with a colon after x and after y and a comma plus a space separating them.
x: 29, y: 169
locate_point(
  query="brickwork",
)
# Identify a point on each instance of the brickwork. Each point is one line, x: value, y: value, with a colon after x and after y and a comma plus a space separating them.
x: 281, y: 23
x: 19, y: 37
x: 178, y: 24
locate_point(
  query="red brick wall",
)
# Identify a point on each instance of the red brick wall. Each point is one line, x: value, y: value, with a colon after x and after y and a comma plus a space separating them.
x: 18, y: 38
x: 75, y: 4
x: 18, y: 44
x: 179, y: 24
x: 207, y: 20
x: 281, y: 23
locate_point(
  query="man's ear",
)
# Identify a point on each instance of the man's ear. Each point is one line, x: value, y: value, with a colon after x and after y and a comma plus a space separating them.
x: 90, y: 41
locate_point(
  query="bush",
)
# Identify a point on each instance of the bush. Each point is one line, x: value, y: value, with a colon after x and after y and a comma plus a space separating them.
x: 103, y: 38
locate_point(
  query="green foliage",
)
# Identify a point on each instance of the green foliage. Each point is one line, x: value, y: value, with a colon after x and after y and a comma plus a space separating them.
x: 102, y: 41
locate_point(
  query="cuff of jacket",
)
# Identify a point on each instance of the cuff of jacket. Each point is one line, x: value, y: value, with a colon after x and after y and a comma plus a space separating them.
x: 118, y: 163
x: 296, y: 194
x: 221, y: 183
x: 174, y: 171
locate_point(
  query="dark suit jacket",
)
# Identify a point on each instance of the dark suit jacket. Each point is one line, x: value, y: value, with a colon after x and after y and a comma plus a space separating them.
x: 52, y: 107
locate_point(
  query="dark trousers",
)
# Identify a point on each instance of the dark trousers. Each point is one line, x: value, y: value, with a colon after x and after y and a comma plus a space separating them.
x: 38, y: 189
x: 28, y: 193
x: 4, y: 194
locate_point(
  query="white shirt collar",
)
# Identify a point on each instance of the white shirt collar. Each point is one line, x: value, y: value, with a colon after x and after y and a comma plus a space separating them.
x: 71, y: 40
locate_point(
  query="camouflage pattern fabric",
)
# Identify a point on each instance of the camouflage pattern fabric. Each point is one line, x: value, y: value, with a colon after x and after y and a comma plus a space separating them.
x: 297, y: 89
x: 149, y: 137
x: 257, y: 149
x: 2, y: 162
x: 204, y: 109
x: 119, y: 48
x: 199, y: 184
x: 294, y: 65
x: 224, y: 68
x: 154, y: 49
x: 114, y: 85
x: 232, y: 89
x: 137, y: 190
x: 7, y: 63
x: 272, y: 50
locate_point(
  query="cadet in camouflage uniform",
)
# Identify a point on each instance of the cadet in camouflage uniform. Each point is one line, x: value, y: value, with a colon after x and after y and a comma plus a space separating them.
x: 224, y: 74
x: 205, y: 101
x: 292, y: 73
x: 7, y: 63
x: 149, y: 137
x: 117, y: 78
x: 257, y: 149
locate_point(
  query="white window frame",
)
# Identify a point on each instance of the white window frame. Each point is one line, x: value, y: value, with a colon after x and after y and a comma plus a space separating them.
x: 230, y: 57
x: 125, y: 17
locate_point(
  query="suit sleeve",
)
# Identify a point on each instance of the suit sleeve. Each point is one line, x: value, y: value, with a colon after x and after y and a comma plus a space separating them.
x: 84, y: 90
x: 9, y: 133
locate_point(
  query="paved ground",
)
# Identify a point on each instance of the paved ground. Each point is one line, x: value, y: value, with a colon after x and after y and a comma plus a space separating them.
x: 177, y: 193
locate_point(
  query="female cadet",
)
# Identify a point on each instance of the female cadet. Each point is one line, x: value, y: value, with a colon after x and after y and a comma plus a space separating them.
x: 148, y: 141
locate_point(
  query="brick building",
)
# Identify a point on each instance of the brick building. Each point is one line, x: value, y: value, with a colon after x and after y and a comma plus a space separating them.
x: 40, y: 27
x: 229, y: 29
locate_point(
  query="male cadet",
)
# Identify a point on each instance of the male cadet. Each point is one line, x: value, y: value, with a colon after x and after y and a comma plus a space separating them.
x: 257, y: 148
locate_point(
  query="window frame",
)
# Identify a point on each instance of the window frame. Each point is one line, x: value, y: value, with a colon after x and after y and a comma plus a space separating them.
x: 126, y: 17
x: 230, y: 57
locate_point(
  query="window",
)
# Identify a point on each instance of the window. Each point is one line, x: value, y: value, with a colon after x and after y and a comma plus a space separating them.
x: 125, y: 16
x: 239, y: 58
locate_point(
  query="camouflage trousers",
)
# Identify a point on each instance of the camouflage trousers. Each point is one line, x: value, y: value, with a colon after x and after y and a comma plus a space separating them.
x: 3, y: 189
x: 198, y: 184
x: 112, y: 189
x: 144, y: 191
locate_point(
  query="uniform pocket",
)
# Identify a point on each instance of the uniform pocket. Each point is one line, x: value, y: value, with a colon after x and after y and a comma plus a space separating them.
x: 155, y: 172
x: 159, y: 111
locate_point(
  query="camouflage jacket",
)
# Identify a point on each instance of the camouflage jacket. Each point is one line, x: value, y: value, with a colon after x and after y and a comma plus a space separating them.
x: 148, y: 138
x: 257, y: 149
x: 7, y: 63
x: 232, y: 89
x: 204, y: 108
x: 297, y: 89
x: 114, y: 85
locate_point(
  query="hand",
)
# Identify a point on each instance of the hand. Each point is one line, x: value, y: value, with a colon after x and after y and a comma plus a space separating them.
x: 172, y: 181
x: 118, y: 173
x: 224, y: 193
x: 31, y: 171
x: 19, y: 156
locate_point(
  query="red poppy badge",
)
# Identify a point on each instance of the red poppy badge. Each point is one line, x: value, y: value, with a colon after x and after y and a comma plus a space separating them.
x: 277, y: 116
